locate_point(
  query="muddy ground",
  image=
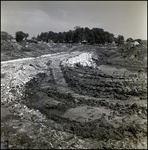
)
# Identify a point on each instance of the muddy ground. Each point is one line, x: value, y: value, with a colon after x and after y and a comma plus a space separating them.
x: 48, y: 105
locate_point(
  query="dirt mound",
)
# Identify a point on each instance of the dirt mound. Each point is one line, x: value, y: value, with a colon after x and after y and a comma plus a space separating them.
x: 133, y: 58
x: 9, y: 46
x: 8, y: 43
x: 134, y: 55
x: 6, y: 36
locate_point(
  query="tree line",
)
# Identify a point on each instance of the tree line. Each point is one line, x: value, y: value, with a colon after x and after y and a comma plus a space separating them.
x: 78, y: 35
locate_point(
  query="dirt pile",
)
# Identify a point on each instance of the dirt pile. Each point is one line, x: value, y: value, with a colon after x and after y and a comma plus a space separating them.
x: 9, y: 46
x: 84, y: 59
x: 131, y: 57
x: 134, y: 55
x: 6, y: 36
x: 46, y: 48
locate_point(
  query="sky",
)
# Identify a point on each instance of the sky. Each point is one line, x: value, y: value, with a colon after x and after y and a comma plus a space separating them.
x: 127, y: 18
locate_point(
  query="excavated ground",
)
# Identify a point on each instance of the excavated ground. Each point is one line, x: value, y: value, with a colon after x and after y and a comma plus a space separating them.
x: 54, y: 106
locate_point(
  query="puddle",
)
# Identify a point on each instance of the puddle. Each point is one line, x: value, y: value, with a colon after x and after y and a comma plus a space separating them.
x: 4, y: 112
x: 56, y: 112
x: 106, y: 69
x: 86, y: 113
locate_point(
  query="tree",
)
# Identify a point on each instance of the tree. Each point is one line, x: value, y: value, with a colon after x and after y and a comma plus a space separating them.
x: 138, y: 40
x: 61, y: 37
x: 120, y: 40
x: 89, y: 36
x: 98, y: 35
x: 51, y: 36
x: 34, y: 39
x: 44, y: 36
x: 69, y: 36
x: 129, y: 40
x: 78, y: 34
x: 19, y: 35
x: 108, y: 37
x: 77, y: 27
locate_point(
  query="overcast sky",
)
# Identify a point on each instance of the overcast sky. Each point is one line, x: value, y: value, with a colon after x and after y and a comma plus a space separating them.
x: 127, y: 18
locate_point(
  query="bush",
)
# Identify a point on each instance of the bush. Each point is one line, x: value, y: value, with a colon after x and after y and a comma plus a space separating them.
x: 20, y: 36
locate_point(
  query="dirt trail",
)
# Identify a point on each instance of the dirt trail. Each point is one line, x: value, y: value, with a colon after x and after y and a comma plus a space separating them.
x: 57, y: 72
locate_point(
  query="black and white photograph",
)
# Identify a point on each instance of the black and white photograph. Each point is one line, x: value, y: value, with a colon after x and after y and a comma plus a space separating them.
x: 73, y: 74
